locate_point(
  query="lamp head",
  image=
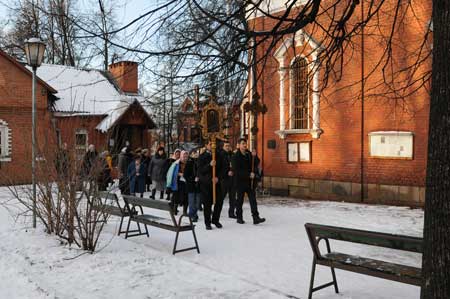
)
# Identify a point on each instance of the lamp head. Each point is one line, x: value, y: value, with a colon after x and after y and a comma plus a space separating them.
x: 34, y: 50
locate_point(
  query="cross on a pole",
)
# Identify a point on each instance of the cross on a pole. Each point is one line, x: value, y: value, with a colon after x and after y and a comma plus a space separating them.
x: 255, y: 107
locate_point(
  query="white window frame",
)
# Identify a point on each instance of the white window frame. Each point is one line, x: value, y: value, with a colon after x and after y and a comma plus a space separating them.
x: 299, y: 39
x: 294, y: 153
x: 5, y: 144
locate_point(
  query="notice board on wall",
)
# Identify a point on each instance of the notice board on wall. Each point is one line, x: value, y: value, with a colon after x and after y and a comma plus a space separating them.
x: 391, y: 144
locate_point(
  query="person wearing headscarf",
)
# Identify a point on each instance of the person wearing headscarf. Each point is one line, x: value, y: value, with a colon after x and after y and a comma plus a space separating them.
x: 175, y: 156
x: 176, y: 183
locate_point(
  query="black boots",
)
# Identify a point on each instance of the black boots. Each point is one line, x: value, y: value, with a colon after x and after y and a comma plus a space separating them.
x: 240, y: 221
x: 257, y: 220
x: 217, y: 224
x: 153, y: 194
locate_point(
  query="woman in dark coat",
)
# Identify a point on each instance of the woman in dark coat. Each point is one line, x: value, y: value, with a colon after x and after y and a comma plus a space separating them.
x: 136, y: 174
x: 157, y: 172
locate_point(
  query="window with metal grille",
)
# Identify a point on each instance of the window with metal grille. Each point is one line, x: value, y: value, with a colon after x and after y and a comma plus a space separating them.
x: 300, y: 94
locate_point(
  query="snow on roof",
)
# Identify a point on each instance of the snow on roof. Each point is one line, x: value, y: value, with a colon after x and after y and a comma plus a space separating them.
x: 120, y: 109
x: 88, y: 91
x: 81, y: 90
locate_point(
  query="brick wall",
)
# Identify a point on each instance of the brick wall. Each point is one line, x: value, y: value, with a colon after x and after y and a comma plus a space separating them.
x: 15, y: 109
x: 336, y: 155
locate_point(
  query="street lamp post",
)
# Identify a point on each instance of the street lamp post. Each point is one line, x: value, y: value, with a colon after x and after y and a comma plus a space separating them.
x: 34, y: 50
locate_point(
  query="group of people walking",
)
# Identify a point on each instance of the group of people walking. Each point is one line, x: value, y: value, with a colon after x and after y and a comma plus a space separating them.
x: 186, y: 179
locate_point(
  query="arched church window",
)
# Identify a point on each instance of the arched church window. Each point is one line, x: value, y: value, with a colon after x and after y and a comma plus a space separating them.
x: 300, y: 94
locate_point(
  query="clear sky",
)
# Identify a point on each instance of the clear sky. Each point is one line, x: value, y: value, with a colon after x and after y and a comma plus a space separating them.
x: 127, y: 9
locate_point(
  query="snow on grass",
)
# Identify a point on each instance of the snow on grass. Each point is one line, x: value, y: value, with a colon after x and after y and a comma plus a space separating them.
x: 272, y: 260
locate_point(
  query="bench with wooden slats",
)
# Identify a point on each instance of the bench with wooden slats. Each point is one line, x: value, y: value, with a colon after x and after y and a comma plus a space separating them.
x: 377, y: 268
x: 109, y: 204
x: 136, y: 204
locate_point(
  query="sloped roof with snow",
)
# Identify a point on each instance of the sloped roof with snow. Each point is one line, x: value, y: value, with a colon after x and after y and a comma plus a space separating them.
x: 81, y: 90
x: 89, y: 92
x: 120, y: 109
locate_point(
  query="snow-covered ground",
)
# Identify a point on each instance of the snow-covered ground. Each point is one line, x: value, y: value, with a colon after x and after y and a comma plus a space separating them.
x: 272, y: 260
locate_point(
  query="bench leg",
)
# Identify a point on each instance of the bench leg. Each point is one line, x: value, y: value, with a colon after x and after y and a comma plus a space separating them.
x: 311, y: 284
x: 336, y: 289
x: 195, y: 240
x: 128, y: 228
x: 146, y: 230
x: 120, y: 226
x: 175, y: 244
x: 139, y: 227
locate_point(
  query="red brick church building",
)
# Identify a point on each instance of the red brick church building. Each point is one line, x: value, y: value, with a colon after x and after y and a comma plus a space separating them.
x: 324, y: 143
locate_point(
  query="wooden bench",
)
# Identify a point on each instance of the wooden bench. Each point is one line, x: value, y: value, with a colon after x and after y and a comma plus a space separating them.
x: 377, y: 268
x: 135, y: 206
x: 109, y: 205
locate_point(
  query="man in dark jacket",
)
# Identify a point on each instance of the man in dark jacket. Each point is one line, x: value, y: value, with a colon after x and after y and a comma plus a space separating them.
x: 245, y: 180
x: 227, y: 183
x: 205, y: 165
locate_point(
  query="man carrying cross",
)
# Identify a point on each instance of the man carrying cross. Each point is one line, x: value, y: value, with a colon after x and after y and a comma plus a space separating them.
x: 206, y: 179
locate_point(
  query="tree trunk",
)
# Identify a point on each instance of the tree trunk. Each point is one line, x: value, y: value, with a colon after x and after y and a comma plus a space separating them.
x: 436, y: 256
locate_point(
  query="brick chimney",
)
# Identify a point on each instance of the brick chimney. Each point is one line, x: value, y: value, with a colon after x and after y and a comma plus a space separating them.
x: 126, y: 75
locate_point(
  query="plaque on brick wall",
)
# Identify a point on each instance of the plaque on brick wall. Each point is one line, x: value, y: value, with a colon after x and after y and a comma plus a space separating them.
x: 271, y: 144
x: 391, y: 144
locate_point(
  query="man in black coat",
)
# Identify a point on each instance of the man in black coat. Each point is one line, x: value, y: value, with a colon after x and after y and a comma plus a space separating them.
x: 227, y: 183
x: 205, y: 164
x: 245, y: 180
